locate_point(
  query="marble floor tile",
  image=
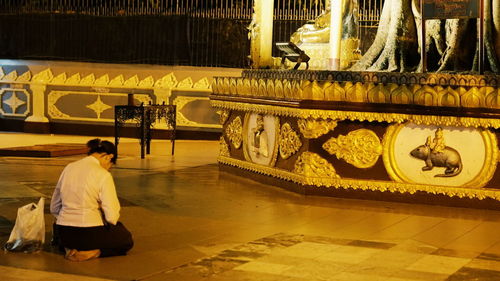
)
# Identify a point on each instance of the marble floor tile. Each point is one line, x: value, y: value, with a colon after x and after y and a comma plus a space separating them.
x: 349, y: 254
x: 480, y: 263
x: 478, y: 239
x: 438, y: 264
x: 263, y: 267
x: 453, y: 228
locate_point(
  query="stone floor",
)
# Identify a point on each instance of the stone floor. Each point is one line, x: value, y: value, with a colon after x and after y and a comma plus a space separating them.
x: 191, y: 221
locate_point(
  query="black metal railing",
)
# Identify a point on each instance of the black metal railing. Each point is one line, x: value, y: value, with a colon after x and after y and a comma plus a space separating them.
x: 170, y: 32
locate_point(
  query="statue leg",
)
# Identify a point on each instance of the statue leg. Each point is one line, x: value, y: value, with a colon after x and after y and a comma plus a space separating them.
x: 428, y: 165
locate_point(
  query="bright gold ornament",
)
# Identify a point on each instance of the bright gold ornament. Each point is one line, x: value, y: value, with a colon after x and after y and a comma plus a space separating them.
x: 310, y: 164
x: 312, y: 128
x: 234, y: 132
x: 289, y: 141
x: 360, y: 148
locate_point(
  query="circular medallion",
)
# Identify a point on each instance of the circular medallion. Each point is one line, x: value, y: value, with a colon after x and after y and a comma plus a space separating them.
x: 260, y: 138
x: 446, y: 156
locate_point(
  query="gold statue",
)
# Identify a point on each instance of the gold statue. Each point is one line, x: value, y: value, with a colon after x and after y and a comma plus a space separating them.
x: 436, y: 154
x: 437, y: 144
x: 316, y: 31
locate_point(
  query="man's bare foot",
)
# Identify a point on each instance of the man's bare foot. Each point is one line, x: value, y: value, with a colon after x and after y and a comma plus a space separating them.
x: 74, y: 255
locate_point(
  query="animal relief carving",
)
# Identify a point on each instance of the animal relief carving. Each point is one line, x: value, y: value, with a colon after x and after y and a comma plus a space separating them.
x: 436, y: 154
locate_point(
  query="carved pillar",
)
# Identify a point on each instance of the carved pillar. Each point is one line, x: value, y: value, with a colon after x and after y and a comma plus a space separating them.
x: 38, y: 115
x: 261, y: 34
x: 37, y: 122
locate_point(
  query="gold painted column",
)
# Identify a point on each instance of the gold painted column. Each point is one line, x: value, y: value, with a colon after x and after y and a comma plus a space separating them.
x: 261, y: 34
x: 335, y: 34
x: 38, y: 113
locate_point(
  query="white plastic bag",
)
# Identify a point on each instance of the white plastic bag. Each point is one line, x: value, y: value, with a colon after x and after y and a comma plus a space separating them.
x: 28, y: 234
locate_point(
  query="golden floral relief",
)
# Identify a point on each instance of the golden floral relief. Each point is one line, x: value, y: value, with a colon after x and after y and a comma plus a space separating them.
x: 289, y: 141
x: 360, y: 148
x: 224, y: 148
x: 310, y: 164
x: 234, y: 132
x: 314, y: 128
x: 223, y: 116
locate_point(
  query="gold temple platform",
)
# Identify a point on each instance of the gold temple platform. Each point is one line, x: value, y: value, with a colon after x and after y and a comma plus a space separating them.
x: 428, y: 138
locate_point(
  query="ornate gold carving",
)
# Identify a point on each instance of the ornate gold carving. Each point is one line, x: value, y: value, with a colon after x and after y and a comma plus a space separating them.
x: 472, y: 98
x: 147, y: 82
x: 360, y: 148
x: 43, y: 76
x: 2, y: 74
x: 12, y: 76
x: 223, y: 115
x: 289, y: 141
x: 480, y: 180
x: 224, y: 148
x: 312, y: 128
x: 310, y: 164
x: 370, y: 91
x: 59, y: 79
x: 73, y: 79
x: 117, y: 81
x: 360, y: 116
x: 202, y: 84
x: 98, y: 106
x: 132, y: 81
x: 449, y: 97
x: 187, y: 83
x: 234, y: 132
x: 168, y: 81
x: 88, y: 80
x: 383, y: 186
x: 102, y: 81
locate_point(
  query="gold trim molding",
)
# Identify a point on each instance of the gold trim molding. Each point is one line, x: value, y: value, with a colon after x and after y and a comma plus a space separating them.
x: 47, y: 77
x: 360, y: 148
x: 359, y: 116
x: 468, y: 96
x: 367, y: 185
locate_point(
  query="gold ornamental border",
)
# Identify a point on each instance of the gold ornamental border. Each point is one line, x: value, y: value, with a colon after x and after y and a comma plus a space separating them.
x: 365, y: 185
x: 274, y: 156
x: 480, y: 180
x: 359, y: 116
